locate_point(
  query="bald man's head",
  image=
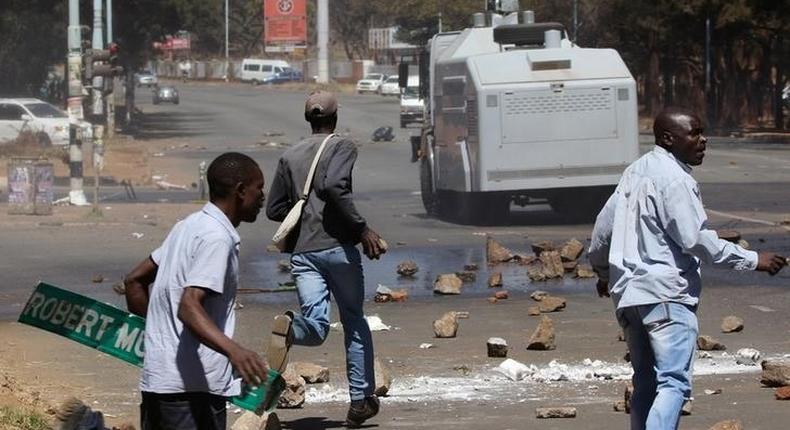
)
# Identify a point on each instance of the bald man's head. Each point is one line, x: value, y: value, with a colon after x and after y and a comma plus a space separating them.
x: 679, y: 131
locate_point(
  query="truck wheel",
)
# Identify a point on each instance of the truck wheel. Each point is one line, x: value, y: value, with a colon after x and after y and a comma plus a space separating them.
x: 430, y: 200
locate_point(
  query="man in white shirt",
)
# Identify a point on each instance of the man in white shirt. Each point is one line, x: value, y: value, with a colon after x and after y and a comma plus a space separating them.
x: 646, y: 248
x: 190, y: 356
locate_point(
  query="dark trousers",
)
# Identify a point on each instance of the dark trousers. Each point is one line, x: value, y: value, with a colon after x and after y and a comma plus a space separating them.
x: 182, y: 411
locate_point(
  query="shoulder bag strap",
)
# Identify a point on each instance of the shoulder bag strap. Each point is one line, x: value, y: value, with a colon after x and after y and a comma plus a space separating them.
x: 309, y: 182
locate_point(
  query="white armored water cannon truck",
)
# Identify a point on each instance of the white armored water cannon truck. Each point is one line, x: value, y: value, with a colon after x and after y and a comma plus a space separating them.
x: 516, y: 113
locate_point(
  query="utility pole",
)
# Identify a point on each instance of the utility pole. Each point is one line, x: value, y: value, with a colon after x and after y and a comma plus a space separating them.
x: 575, y: 20
x: 98, y: 104
x: 115, y: 80
x: 74, y: 103
x: 323, y: 42
x: 227, y: 56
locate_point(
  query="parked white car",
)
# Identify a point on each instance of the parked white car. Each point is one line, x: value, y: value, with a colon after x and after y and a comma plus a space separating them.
x: 391, y: 87
x: 49, y: 124
x: 147, y: 78
x: 371, y: 83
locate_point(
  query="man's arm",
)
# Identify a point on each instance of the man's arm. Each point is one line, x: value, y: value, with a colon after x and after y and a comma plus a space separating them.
x: 687, y: 224
x: 136, y: 285
x: 192, y: 313
x: 279, y: 201
x: 600, y: 244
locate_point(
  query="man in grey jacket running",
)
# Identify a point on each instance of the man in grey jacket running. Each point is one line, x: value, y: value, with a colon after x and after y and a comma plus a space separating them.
x: 324, y: 254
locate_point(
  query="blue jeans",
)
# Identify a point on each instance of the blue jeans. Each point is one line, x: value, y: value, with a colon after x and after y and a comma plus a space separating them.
x: 662, y: 339
x: 339, y: 271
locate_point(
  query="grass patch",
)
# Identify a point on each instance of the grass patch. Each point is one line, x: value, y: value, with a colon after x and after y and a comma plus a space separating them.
x: 21, y: 419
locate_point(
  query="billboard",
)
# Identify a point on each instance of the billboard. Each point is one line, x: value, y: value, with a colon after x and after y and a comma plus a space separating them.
x: 285, y: 23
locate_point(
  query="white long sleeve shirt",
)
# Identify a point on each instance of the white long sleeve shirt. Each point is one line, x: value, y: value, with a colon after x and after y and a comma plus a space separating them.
x: 652, y: 233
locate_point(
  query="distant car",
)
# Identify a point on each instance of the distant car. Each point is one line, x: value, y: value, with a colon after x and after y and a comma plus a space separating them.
x: 390, y: 87
x: 286, y: 75
x: 166, y: 94
x: 371, y: 83
x: 49, y: 124
x: 147, y: 78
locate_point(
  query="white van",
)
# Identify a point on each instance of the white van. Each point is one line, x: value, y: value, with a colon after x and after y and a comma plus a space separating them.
x: 412, y: 106
x: 256, y: 70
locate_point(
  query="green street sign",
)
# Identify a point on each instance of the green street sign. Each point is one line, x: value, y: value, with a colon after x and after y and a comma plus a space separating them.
x: 120, y: 334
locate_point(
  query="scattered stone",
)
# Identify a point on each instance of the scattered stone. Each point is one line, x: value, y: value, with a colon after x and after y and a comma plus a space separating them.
x: 383, y: 378
x: 542, y: 246
x: 471, y: 267
x: 729, y: 235
x: 461, y: 315
x: 119, y: 288
x: 385, y: 294
x: 501, y: 295
x: 525, y: 260
x: 463, y: 369
x: 551, y: 304
x: 708, y: 343
x: 782, y: 393
x: 775, y: 373
x: 747, y: 356
x: 493, y: 300
x: 564, y: 412
x: 312, y: 373
x: 447, y: 284
x: 497, y: 347
x: 572, y: 250
x: 627, y: 394
x: 284, y: 266
x: 744, y: 244
x: 407, y: 268
x: 250, y: 421
x: 538, y: 295
x: 536, y: 274
x: 686, y: 409
x: 446, y: 326
x: 727, y: 425
x: 533, y: 311
x: 399, y: 296
x: 272, y: 248
x: 569, y: 266
x: 619, y: 406
x: 514, y: 370
x: 97, y: 279
x: 426, y: 345
x: 496, y: 253
x: 542, y: 338
x: 495, y: 280
x: 467, y: 276
x: 552, y: 264
x: 294, y: 394
x: 704, y: 354
x: 713, y: 392
x: 237, y: 305
x: 731, y: 324
x: 584, y: 271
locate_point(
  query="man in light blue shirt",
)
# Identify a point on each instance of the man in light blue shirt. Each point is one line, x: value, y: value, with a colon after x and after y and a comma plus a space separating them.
x: 646, y: 248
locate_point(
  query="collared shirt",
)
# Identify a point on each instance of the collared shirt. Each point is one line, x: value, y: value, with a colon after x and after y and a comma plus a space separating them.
x: 652, y: 233
x: 200, y: 251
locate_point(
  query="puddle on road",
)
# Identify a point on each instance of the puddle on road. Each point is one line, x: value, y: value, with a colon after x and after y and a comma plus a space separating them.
x: 432, y: 262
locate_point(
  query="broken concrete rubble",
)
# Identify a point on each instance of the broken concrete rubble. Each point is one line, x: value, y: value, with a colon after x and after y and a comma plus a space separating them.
x: 552, y: 264
x: 708, y: 343
x: 571, y: 250
x: 284, y: 266
x: 501, y: 295
x: 525, y: 260
x: 407, y: 268
x: 385, y: 294
x: 495, y: 280
x: 727, y: 425
x: 311, y: 372
x: 533, y: 311
x: 496, y: 253
x: 294, y: 394
x: 544, y: 245
x: 497, y: 347
x: 447, y: 284
x: 383, y: 378
x: 250, y: 421
x: 542, y: 338
x: 782, y: 393
x: 556, y: 412
x: 569, y: 266
x: 446, y: 326
x: 775, y: 373
x: 536, y: 274
x: 731, y: 324
x: 538, y: 295
x: 584, y: 271
x: 467, y: 276
x: 551, y: 304
x: 747, y: 356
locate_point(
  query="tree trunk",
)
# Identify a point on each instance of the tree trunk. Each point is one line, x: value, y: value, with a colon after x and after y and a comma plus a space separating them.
x: 652, y: 89
x: 779, y: 81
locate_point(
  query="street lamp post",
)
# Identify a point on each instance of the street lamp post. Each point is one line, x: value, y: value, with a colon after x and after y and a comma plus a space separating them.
x: 227, y: 57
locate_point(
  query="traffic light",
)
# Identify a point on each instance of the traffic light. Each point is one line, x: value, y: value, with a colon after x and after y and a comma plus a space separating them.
x: 101, y: 62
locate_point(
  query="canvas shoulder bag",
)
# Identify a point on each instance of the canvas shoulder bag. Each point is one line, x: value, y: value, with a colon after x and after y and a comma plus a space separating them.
x: 295, y: 214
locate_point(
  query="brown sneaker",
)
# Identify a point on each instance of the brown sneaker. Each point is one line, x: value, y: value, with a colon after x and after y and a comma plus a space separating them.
x: 360, y: 411
x: 280, y: 343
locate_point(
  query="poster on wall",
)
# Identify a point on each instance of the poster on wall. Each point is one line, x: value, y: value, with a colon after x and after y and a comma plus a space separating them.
x: 285, y: 25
